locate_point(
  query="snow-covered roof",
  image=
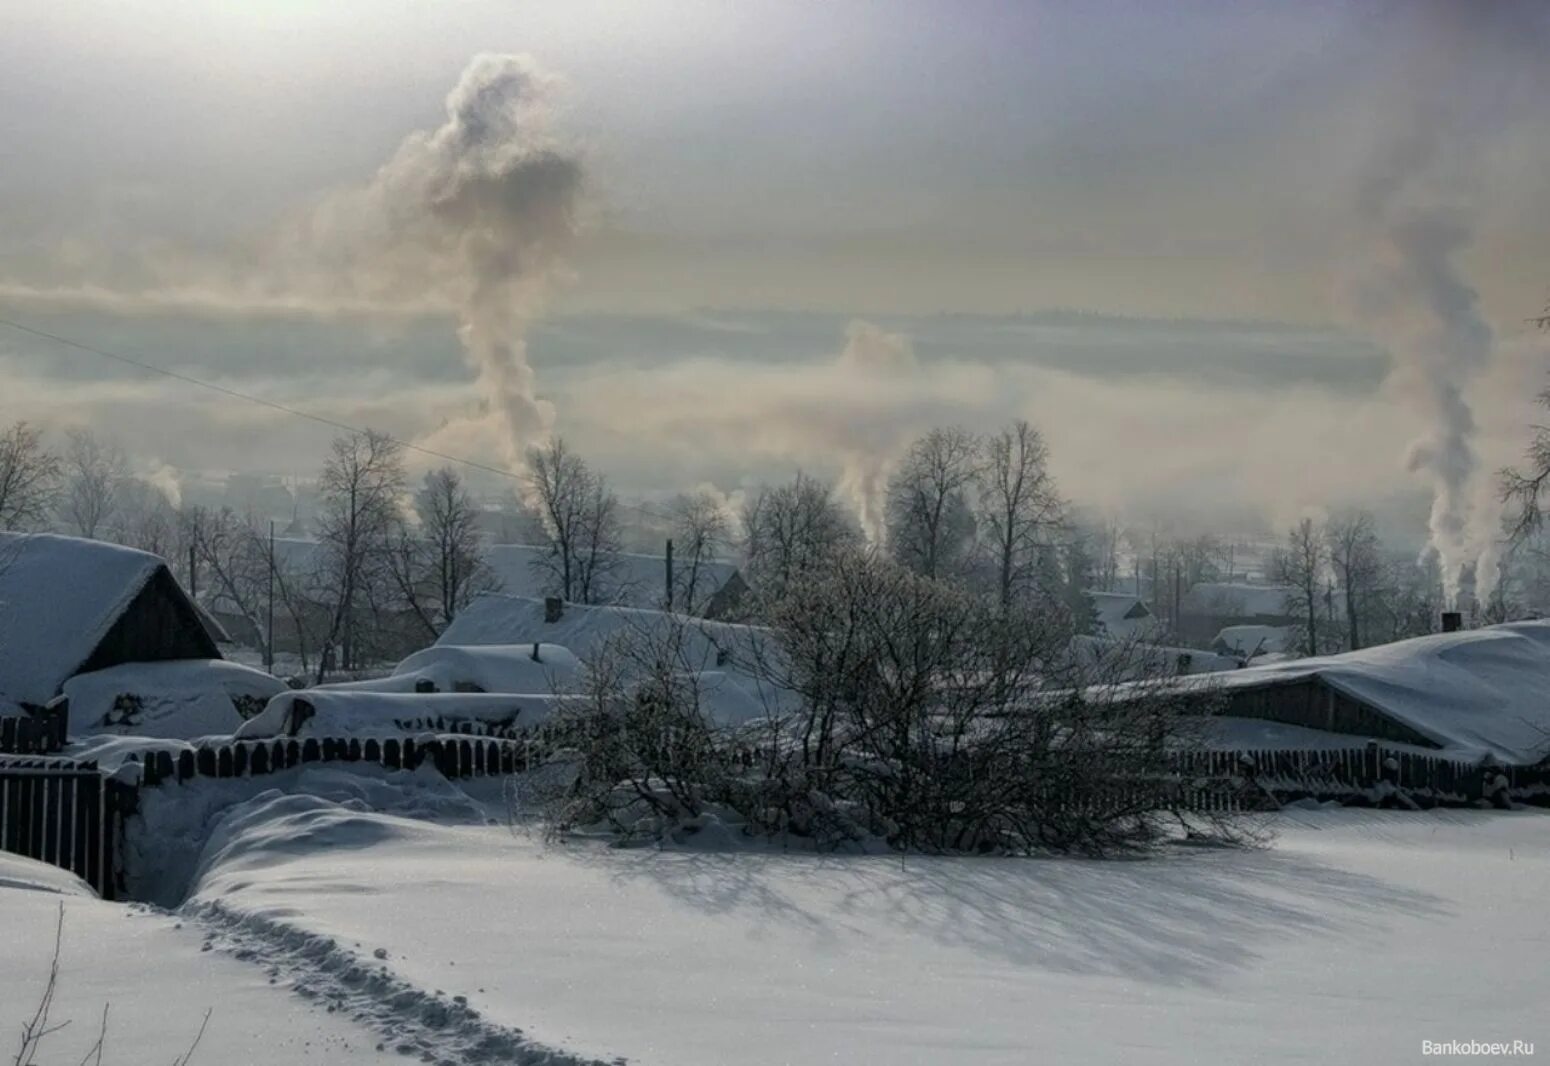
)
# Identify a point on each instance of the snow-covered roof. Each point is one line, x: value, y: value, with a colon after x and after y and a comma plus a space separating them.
x: 496, y: 618
x: 59, y: 596
x: 1477, y: 691
x: 509, y: 668
x: 344, y: 713
x: 178, y: 698
x: 1122, y: 615
x: 1236, y: 599
x: 1256, y: 640
x: 1115, y: 607
x: 1130, y: 660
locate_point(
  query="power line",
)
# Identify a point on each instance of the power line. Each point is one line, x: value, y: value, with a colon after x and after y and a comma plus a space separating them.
x: 283, y: 408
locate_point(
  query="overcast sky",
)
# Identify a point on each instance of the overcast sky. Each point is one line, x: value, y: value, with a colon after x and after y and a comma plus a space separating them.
x: 760, y: 174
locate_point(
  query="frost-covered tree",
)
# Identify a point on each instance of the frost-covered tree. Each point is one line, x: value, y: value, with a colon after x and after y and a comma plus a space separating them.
x: 792, y: 529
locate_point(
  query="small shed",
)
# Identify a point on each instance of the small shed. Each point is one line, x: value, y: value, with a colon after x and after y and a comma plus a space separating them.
x: 70, y: 606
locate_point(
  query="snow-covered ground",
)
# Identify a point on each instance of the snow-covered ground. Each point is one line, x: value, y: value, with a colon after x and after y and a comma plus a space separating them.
x: 371, y: 915
x: 1352, y: 939
x: 156, y: 977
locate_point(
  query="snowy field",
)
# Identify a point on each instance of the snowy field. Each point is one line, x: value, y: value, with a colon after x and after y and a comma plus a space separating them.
x: 1357, y: 935
x: 336, y: 930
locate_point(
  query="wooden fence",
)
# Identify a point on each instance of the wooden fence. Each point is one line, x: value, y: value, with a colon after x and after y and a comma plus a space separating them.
x: 456, y: 756
x: 71, y: 814
x: 1371, y: 775
x: 68, y: 814
x: 39, y: 733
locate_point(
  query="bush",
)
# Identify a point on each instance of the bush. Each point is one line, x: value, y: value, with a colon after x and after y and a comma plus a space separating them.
x: 918, y: 714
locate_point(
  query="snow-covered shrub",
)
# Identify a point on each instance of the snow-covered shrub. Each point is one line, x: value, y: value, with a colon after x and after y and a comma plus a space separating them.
x: 908, y: 710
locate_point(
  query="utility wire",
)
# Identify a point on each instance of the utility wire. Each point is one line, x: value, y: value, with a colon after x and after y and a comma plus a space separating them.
x: 283, y: 408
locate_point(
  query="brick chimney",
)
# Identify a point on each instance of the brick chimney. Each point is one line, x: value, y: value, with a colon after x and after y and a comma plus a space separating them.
x: 1452, y: 621
x: 554, y: 607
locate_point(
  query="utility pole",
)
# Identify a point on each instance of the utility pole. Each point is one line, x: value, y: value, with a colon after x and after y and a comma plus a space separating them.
x: 669, y: 573
x: 269, y: 640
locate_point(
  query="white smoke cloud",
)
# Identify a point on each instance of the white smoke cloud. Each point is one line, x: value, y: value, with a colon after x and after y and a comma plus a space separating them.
x: 166, y: 479
x: 482, y: 211
x: 871, y: 357
x: 1453, y: 77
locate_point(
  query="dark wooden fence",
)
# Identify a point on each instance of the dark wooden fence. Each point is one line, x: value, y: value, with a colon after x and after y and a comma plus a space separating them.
x: 68, y: 814
x: 71, y: 814
x: 456, y: 756
x: 39, y: 733
x: 1372, y: 775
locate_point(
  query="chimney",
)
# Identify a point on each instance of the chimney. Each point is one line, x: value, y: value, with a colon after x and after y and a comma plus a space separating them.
x: 1452, y: 621
x: 554, y: 607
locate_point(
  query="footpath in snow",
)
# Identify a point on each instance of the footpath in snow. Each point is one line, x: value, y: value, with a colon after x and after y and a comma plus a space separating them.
x: 156, y: 976
x: 1358, y: 935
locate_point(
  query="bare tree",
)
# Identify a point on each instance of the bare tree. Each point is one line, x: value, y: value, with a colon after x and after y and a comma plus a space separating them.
x: 598, y: 545
x: 791, y: 529
x: 1019, y: 509
x: 439, y: 566
x: 580, y: 517
x: 29, y: 478
x: 1355, y: 557
x: 700, y: 531
x: 930, y: 515
x: 940, y: 721
x: 94, y: 470
x: 360, y: 490
x: 1521, y: 490
x: 1301, y: 564
x: 143, y: 517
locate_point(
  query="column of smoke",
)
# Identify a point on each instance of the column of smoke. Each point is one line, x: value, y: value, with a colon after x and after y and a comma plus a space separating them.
x: 1454, y: 73
x: 478, y: 213
x: 873, y: 358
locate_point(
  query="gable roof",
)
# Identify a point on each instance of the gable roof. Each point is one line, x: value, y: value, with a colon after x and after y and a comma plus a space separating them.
x: 1113, y: 608
x: 59, y: 596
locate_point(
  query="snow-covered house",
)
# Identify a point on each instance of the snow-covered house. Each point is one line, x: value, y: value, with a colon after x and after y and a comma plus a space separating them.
x: 1122, y: 616
x: 71, y: 606
x: 1473, y: 693
x: 496, y: 618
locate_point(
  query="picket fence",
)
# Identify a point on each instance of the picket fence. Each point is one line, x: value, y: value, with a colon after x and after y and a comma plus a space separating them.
x: 71, y: 813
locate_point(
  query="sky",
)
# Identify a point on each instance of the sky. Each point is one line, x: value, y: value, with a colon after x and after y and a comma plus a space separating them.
x: 1156, y: 230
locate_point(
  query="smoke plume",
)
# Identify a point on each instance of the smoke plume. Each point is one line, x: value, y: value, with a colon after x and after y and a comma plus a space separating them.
x: 1450, y: 80
x: 873, y: 357
x: 479, y: 213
